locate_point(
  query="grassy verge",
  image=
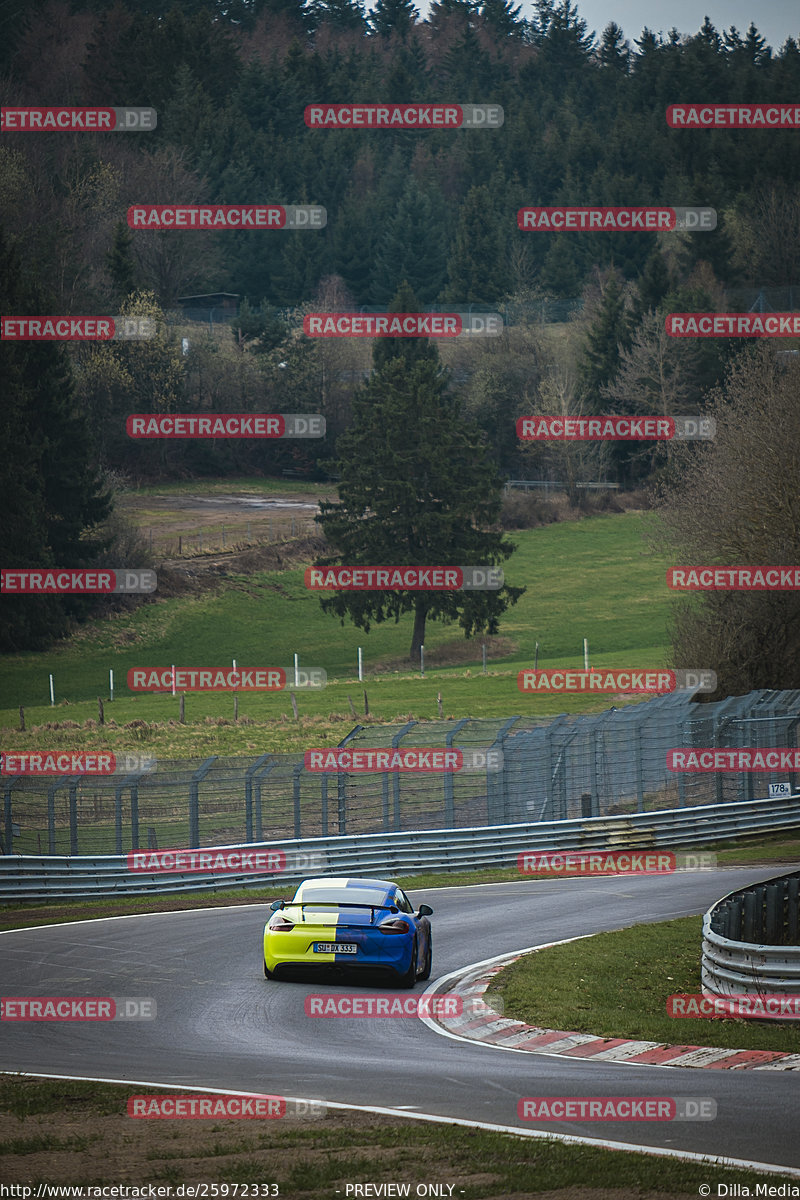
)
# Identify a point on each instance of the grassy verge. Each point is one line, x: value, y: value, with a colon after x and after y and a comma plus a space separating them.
x: 263, y: 617
x: 65, y: 1132
x: 617, y: 984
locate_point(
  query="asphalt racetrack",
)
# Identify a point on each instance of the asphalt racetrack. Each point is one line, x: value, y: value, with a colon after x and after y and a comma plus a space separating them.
x: 220, y: 1024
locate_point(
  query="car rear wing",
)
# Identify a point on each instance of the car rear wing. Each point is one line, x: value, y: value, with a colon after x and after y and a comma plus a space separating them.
x: 339, y: 904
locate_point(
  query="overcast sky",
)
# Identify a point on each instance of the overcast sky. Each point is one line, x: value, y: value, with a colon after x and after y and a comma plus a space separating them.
x: 775, y: 19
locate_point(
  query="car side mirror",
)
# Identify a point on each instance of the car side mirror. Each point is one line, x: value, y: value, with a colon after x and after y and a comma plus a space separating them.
x: 425, y: 910
x: 276, y: 904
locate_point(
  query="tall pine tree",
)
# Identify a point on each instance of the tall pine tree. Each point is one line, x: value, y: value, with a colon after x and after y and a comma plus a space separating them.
x: 417, y: 489
x: 53, y: 499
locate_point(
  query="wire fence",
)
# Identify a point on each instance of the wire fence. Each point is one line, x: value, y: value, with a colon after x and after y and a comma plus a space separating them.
x: 516, y: 770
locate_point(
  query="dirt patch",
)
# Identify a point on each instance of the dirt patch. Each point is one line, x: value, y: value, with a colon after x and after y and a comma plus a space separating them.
x: 179, y: 576
x: 170, y: 511
x: 190, y: 524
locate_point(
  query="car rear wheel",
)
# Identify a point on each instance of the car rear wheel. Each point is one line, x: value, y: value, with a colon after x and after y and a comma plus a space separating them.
x: 426, y: 970
x: 409, y: 978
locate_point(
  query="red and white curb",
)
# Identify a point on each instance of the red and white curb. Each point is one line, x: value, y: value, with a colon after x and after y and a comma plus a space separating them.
x: 492, y: 1029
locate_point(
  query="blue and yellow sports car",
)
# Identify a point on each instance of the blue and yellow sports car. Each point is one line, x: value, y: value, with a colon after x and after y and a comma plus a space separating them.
x: 349, y: 923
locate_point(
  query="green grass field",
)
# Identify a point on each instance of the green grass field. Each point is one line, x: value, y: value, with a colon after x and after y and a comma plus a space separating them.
x: 617, y: 985
x: 319, y: 1159
x: 597, y: 578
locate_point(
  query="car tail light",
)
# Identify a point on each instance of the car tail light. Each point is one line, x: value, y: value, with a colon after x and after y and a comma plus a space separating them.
x: 280, y: 925
x: 394, y: 925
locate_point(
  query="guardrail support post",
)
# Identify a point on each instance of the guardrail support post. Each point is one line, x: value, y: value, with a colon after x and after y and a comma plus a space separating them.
x: 749, y: 918
x: 497, y: 781
x: 51, y: 819
x: 793, y: 913
x: 248, y: 796
x: 341, y: 798
x: 73, y: 818
x: 397, y: 821
x: 296, y: 796
x: 638, y: 759
x: 194, y: 801
x: 341, y: 782
x: 134, y: 817
x: 773, y: 913
x: 130, y: 781
x: 118, y: 819
x: 8, y: 815
x: 260, y: 774
x: 385, y: 800
x: 449, y: 789
x: 323, y: 789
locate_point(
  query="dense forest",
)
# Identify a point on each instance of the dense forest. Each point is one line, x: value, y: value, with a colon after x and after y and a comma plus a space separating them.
x: 584, y: 124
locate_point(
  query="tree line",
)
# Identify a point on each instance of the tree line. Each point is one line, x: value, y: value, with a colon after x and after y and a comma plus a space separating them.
x: 584, y: 124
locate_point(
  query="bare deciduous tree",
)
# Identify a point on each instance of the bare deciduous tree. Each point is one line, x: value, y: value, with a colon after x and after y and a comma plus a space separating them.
x: 765, y: 230
x: 657, y: 375
x: 736, y: 501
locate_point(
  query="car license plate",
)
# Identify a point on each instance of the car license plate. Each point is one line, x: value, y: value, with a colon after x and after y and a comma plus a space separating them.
x: 335, y: 948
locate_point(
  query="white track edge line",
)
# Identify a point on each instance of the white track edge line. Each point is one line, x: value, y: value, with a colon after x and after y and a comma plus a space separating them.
x: 537, y: 1134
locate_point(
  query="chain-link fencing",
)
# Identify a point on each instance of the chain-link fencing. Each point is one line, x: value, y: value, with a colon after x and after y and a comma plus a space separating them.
x: 506, y: 771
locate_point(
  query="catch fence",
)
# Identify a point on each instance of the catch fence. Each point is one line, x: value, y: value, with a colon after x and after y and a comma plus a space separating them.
x: 517, y: 770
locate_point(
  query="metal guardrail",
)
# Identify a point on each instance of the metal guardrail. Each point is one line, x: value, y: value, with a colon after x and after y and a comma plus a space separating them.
x: 751, y: 941
x: 50, y: 877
